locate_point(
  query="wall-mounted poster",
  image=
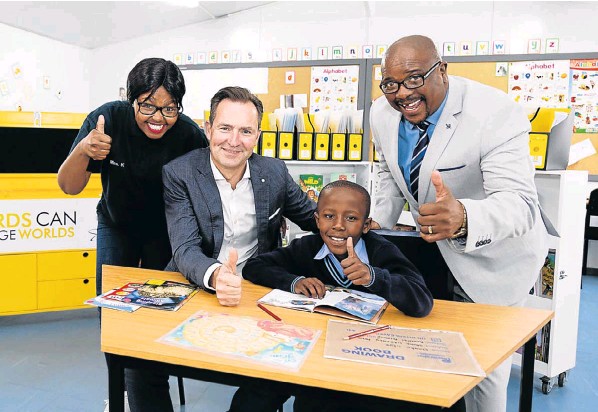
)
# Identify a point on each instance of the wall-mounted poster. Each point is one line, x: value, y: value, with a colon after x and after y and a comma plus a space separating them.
x: 584, y: 95
x: 540, y: 83
x: 334, y: 88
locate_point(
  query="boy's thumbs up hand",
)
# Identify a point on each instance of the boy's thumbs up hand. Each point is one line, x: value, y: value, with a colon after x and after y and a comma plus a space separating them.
x: 353, y: 268
x: 350, y: 248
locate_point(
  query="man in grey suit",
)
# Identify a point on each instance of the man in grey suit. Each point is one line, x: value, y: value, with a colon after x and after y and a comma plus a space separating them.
x: 457, y: 151
x: 223, y: 205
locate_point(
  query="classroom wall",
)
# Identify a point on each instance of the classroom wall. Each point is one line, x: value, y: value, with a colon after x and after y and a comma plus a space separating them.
x: 66, y: 66
x: 88, y: 78
x: 313, y: 24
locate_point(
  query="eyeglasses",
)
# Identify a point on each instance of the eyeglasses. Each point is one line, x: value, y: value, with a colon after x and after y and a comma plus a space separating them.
x: 149, y: 109
x: 411, y: 82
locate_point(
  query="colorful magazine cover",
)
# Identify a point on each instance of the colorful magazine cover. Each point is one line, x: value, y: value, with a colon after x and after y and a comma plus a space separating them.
x: 265, y: 341
x: 155, y: 294
x: 546, y: 287
x: 312, y: 185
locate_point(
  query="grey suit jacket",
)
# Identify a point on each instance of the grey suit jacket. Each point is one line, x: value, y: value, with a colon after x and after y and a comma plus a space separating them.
x: 194, y: 210
x: 480, y: 147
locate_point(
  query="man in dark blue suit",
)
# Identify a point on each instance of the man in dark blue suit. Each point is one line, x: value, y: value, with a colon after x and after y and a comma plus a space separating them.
x: 226, y: 200
x: 225, y: 204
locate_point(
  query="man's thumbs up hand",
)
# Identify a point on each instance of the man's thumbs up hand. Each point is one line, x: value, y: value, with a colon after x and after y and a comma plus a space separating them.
x: 443, y: 218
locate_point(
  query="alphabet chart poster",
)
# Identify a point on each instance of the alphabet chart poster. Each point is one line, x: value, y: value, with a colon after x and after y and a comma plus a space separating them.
x: 333, y: 88
x: 584, y: 95
x: 540, y: 83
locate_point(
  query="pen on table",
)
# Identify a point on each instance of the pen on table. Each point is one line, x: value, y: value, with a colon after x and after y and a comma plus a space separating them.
x: 262, y: 307
x: 366, y: 332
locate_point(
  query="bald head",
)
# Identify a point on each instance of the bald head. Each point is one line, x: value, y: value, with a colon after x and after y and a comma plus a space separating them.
x: 422, y: 45
x: 414, y: 78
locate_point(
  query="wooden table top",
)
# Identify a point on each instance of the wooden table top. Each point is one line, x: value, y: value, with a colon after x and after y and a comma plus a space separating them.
x: 492, y: 332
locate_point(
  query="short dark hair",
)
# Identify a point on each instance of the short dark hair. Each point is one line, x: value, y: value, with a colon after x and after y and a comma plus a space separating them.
x: 236, y: 94
x: 347, y: 184
x: 149, y: 74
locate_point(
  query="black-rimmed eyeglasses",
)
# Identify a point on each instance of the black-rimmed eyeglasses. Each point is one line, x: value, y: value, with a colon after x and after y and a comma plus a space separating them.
x: 411, y: 82
x: 149, y: 110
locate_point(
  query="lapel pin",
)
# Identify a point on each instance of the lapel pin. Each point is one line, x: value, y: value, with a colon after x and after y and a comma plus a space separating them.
x: 448, y: 125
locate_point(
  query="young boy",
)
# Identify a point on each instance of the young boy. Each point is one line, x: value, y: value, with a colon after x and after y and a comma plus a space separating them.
x: 345, y: 253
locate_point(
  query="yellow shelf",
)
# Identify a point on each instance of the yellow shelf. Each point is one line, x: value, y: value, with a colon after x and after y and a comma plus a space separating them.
x: 54, y: 120
x: 42, y: 186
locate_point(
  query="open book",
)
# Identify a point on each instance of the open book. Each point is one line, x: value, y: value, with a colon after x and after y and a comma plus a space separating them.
x: 155, y: 294
x: 341, y: 302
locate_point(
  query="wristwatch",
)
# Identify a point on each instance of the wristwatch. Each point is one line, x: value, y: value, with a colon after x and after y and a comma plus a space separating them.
x: 462, y: 232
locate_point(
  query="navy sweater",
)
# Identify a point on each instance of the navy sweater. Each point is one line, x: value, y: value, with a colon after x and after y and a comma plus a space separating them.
x: 396, y: 279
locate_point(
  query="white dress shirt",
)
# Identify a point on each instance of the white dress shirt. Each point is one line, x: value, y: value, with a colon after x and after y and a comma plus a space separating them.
x: 240, y: 224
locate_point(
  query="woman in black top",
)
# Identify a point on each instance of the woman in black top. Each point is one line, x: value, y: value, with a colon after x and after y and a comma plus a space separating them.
x: 128, y: 142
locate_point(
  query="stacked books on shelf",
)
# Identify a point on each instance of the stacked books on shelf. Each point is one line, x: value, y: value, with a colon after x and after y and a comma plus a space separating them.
x: 341, y: 302
x: 543, y: 343
x: 154, y: 294
x: 544, y: 288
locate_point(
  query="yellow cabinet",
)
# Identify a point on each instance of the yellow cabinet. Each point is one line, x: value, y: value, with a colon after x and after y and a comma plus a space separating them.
x: 65, y: 294
x: 18, y: 292
x: 66, y: 265
x: 37, y: 282
x: 65, y: 279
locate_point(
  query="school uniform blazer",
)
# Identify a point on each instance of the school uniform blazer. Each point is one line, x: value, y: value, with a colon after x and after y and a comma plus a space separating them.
x: 480, y: 146
x: 395, y: 278
x: 194, y: 210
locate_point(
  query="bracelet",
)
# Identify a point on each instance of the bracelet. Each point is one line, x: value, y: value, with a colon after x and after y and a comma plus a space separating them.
x: 463, y: 229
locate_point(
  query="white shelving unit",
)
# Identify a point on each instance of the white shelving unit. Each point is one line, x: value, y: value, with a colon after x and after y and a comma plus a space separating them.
x: 562, y: 195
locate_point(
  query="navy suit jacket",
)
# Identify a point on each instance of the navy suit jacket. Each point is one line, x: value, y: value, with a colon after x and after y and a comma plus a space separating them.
x: 194, y: 209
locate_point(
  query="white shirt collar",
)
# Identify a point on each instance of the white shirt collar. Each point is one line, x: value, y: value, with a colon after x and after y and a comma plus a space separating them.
x: 219, y: 176
x: 360, y: 251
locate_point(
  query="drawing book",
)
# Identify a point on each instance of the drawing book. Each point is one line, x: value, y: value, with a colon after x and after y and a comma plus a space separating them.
x: 265, y: 341
x: 102, y: 302
x: 155, y: 294
x: 341, y: 302
x: 423, y: 349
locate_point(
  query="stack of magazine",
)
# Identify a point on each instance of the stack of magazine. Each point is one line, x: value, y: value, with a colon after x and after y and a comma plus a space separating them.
x: 155, y: 294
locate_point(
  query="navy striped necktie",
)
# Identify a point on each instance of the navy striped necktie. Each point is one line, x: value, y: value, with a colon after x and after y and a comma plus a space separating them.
x: 418, y: 156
